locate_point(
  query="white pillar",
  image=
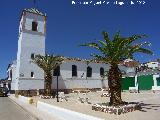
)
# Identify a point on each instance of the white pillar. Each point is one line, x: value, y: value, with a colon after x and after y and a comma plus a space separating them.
x: 155, y: 79
x: 136, y: 82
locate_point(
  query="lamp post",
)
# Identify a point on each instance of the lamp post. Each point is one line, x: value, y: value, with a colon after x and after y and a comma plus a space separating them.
x: 57, y: 87
x: 57, y: 74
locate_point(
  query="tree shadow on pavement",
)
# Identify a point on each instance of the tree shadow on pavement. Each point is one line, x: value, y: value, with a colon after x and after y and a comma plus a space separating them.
x: 145, y: 107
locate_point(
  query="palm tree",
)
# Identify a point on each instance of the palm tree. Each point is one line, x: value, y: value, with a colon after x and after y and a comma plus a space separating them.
x: 113, y: 52
x: 47, y: 63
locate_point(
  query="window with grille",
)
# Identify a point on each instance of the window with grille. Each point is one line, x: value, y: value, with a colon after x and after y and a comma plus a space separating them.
x: 89, y: 71
x: 101, y: 71
x: 74, y: 71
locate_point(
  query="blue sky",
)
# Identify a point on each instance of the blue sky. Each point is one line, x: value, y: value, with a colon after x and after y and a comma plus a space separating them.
x: 69, y: 25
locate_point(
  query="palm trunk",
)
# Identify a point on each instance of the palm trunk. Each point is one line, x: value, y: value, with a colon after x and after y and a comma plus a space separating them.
x: 114, y: 82
x: 48, y: 83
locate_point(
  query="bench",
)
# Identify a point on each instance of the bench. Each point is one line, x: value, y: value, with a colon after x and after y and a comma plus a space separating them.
x: 133, y: 89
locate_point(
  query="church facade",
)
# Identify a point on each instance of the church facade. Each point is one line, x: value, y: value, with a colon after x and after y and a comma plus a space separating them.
x: 74, y: 72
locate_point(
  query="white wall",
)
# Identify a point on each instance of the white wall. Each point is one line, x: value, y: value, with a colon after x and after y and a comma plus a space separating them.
x: 14, y: 80
x: 78, y: 83
x: 127, y: 69
x: 30, y: 84
x: 66, y: 69
x: 30, y: 42
x: 33, y: 17
x: 66, y: 81
x: 153, y: 65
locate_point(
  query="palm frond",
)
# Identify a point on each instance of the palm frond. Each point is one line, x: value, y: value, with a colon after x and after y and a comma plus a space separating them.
x: 135, y: 37
x: 146, y: 51
x: 106, y: 37
x: 47, y: 62
x: 116, y: 36
x: 119, y: 48
x: 101, y: 58
x: 93, y: 45
x: 97, y: 57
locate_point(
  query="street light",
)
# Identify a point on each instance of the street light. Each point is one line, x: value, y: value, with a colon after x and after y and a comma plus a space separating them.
x: 57, y: 88
x: 57, y: 74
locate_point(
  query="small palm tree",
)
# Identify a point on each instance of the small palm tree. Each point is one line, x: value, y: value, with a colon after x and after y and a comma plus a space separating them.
x: 47, y: 63
x: 113, y: 52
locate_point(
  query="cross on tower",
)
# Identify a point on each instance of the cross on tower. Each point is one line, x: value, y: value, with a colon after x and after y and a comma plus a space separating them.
x: 35, y: 2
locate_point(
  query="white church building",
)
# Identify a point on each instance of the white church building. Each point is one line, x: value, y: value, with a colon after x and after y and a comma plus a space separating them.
x: 74, y: 72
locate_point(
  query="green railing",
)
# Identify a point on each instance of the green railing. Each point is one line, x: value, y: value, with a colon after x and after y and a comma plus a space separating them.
x: 145, y: 82
x: 127, y: 82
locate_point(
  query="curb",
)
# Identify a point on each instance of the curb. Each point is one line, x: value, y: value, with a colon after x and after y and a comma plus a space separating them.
x: 65, y: 114
x: 29, y: 113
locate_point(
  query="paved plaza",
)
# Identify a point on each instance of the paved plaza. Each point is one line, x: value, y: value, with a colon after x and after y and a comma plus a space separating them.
x: 150, y: 107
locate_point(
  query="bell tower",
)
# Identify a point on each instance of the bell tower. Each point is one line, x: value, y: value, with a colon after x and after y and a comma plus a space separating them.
x: 31, y: 42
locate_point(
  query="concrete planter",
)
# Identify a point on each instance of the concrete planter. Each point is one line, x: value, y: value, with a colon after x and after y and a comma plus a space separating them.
x: 25, y: 99
x: 116, y: 110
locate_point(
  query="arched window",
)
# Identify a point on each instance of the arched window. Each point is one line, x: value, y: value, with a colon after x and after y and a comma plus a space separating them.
x: 32, y: 74
x: 89, y: 71
x: 34, y: 26
x: 101, y: 71
x: 32, y: 56
x: 11, y: 74
x: 56, y: 71
x: 74, y: 71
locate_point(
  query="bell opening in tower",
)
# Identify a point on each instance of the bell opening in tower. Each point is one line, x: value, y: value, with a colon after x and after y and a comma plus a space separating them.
x: 34, y: 26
